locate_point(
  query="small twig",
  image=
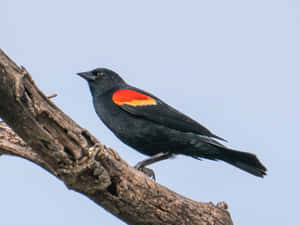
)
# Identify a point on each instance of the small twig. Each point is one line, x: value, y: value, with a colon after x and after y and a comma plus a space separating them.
x: 51, y: 96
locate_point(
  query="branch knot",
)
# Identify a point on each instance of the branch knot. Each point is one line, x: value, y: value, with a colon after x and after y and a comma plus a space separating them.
x: 88, y: 174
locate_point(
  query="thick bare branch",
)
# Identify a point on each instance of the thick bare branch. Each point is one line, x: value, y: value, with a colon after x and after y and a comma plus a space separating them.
x: 55, y: 142
x: 12, y: 144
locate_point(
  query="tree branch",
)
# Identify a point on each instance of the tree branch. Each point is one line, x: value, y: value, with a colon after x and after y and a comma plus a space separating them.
x: 43, y: 134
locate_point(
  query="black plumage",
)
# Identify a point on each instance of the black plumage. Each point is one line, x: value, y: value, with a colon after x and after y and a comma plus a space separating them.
x: 154, y: 128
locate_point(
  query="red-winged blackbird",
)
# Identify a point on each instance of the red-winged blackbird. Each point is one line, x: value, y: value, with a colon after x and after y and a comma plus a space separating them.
x: 154, y: 128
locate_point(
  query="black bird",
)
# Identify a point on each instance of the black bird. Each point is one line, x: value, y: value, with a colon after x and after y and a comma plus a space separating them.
x: 154, y: 128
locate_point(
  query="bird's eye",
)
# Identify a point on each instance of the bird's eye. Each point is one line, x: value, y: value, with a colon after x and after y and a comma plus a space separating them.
x: 98, y: 74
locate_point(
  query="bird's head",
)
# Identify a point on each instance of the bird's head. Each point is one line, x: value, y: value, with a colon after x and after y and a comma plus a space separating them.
x: 101, y: 80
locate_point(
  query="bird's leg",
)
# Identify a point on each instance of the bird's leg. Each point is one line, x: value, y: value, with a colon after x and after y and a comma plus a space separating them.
x: 155, y: 158
x: 148, y: 172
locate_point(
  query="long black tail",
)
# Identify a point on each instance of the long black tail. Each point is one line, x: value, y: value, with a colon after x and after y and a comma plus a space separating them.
x: 205, y: 147
x: 243, y: 160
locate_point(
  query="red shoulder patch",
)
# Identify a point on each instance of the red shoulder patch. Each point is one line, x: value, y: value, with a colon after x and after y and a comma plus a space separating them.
x: 131, y: 97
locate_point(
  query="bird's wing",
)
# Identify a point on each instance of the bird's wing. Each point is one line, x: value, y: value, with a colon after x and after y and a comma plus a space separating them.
x: 142, y: 104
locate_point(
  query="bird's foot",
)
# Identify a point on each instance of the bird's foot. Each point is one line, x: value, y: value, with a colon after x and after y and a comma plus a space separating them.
x: 149, y: 172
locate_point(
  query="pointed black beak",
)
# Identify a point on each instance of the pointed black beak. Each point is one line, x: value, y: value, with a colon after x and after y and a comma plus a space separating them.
x: 87, y: 76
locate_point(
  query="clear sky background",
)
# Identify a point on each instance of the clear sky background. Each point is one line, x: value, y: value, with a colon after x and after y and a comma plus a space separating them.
x: 231, y: 65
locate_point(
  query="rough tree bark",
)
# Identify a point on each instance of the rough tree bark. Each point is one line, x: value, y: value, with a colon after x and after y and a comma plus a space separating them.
x: 35, y: 129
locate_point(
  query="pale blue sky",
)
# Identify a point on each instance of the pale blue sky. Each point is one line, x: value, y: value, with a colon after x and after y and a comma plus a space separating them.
x: 231, y: 65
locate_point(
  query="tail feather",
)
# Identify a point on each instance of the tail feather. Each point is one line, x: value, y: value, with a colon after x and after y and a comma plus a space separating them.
x: 206, y: 147
x: 245, y: 161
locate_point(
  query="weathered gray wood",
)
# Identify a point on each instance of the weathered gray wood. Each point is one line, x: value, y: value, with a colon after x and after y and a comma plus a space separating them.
x: 43, y: 134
